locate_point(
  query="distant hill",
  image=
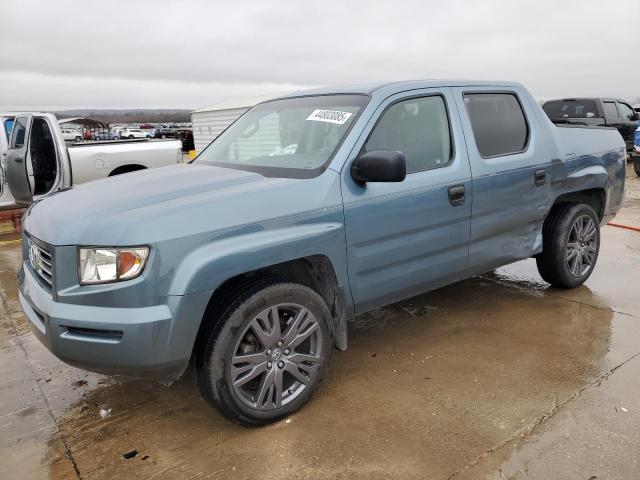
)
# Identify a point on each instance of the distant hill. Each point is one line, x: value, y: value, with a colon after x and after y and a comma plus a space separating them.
x: 129, y: 116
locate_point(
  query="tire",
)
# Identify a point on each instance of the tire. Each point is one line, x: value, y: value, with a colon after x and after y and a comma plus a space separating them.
x: 78, y: 139
x: 130, y: 137
x: 636, y: 166
x: 164, y: 136
x: 561, y: 264
x: 243, y: 324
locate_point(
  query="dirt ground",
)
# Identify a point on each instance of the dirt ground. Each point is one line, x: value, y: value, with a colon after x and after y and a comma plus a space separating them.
x: 497, y: 377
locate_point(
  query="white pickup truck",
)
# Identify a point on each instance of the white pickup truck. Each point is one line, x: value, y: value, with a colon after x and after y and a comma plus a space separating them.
x: 35, y: 145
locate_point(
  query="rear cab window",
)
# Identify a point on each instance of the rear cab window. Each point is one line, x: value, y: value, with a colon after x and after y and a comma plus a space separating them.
x: 571, y: 109
x: 498, y: 122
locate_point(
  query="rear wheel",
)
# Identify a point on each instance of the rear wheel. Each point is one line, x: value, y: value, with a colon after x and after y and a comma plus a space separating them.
x: 266, y: 352
x: 571, y: 245
x: 636, y: 166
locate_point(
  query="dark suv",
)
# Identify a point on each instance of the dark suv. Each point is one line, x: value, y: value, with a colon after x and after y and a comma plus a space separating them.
x: 164, y: 133
x: 610, y: 112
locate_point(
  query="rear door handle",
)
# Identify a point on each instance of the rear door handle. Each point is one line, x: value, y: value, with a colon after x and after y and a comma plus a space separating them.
x: 18, y: 159
x: 540, y: 177
x: 456, y: 195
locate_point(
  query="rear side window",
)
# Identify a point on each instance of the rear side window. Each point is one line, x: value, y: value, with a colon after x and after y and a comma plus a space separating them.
x: 610, y: 109
x: 18, y: 133
x: 419, y: 128
x: 570, y: 109
x: 498, y: 123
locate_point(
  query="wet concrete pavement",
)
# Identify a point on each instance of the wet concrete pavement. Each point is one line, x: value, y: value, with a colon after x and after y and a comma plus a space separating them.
x: 498, y: 377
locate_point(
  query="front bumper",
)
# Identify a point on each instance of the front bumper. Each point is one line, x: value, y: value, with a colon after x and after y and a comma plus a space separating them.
x: 154, y: 341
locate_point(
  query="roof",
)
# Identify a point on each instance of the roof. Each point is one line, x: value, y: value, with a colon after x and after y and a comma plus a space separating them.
x: 369, y: 88
x: 392, y: 87
x: 241, y: 102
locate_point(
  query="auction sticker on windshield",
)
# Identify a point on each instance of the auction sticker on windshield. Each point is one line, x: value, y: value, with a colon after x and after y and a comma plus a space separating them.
x: 331, y: 116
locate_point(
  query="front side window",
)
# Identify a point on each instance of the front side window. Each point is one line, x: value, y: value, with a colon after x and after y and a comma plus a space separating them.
x: 626, y: 111
x: 419, y: 128
x: 610, y: 110
x: 498, y: 123
x: 18, y: 132
x: 8, y: 126
x: 292, y: 137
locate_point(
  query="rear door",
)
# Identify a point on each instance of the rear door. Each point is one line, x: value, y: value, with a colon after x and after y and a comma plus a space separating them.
x: 510, y: 163
x: 412, y: 236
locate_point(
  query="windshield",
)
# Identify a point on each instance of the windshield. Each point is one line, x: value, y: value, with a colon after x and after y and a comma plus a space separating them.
x: 571, y: 109
x: 293, y: 137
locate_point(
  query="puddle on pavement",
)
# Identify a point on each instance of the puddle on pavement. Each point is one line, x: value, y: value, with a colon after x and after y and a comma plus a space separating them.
x: 479, y: 355
x: 425, y: 385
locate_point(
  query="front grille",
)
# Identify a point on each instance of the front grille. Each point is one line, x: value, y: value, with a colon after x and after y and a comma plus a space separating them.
x: 41, y: 261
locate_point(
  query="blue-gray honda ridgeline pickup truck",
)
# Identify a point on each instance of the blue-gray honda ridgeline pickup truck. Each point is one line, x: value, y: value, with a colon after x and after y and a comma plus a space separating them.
x: 307, y: 210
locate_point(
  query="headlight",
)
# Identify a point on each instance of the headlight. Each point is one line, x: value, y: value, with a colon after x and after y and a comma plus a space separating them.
x: 104, y: 265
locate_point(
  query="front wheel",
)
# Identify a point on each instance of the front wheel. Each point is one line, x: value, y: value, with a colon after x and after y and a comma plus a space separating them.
x: 268, y: 351
x: 571, y: 243
x: 636, y: 166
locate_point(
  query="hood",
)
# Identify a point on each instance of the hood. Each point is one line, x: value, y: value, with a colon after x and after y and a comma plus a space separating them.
x: 159, y: 204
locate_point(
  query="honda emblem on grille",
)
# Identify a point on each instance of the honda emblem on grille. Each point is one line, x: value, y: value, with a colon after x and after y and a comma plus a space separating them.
x: 34, y: 257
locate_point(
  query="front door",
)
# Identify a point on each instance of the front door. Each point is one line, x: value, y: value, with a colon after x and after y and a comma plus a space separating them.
x: 37, y: 158
x: 19, y: 171
x: 409, y: 237
x: 629, y: 124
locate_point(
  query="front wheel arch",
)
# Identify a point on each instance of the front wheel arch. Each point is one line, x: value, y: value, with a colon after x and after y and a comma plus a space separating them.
x: 315, y: 272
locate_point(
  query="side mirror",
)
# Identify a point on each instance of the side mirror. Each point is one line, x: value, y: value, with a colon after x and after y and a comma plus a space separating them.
x: 379, y: 166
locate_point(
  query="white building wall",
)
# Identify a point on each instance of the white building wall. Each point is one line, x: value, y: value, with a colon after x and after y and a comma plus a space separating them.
x: 208, y: 125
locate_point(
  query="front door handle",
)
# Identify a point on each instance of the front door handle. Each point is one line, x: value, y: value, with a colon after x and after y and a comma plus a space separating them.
x: 456, y: 195
x: 540, y: 177
x: 18, y: 159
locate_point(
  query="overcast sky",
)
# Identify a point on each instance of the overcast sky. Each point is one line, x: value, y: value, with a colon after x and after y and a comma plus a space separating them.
x: 188, y: 54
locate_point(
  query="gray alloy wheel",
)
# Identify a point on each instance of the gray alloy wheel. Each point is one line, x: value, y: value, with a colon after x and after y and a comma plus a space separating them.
x: 264, y: 348
x: 276, y: 357
x: 582, y: 246
x: 571, y: 242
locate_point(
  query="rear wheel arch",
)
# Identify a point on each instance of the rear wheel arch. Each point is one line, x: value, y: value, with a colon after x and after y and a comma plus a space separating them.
x: 596, y: 198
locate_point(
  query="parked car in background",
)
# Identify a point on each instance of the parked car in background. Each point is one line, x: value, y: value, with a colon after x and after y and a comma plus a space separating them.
x: 38, y: 162
x: 71, y: 135
x: 306, y: 210
x: 133, y: 133
x: 164, y: 133
x: 105, y: 135
x: 610, y: 112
